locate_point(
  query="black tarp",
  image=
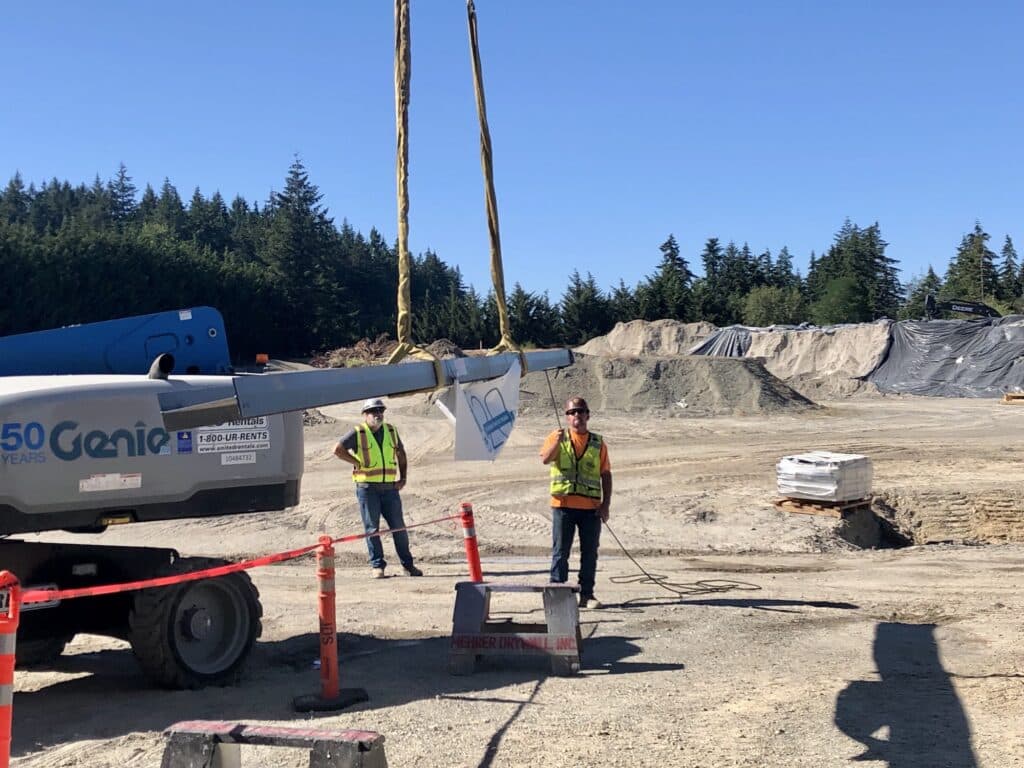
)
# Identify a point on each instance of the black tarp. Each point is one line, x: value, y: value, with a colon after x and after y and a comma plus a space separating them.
x: 733, y: 341
x: 954, y: 358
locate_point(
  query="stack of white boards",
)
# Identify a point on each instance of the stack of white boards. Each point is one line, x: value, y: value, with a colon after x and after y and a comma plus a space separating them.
x: 824, y: 476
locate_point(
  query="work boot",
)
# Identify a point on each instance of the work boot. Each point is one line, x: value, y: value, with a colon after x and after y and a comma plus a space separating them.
x: 589, y: 601
x: 412, y: 570
x: 378, y: 573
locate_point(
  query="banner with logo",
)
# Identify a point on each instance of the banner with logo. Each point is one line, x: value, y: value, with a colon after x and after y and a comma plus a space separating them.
x: 484, y: 413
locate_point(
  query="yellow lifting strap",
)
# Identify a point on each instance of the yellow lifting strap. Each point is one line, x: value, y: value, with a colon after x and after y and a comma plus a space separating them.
x: 403, y: 71
x: 505, y: 344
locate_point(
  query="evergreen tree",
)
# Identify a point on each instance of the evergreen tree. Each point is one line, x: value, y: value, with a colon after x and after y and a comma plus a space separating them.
x: 668, y: 292
x: 918, y: 291
x: 843, y: 301
x: 782, y: 274
x: 623, y: 304
x: 147, y: 205
x: 14, y: 202
x: 972, y: 275
x: 584, y: 310
x: 709, y: 299
x: 121, y: 193
x: 771, y: 305
x: 299, y: 251
x: 1010, y: 287
x: 170, y: 211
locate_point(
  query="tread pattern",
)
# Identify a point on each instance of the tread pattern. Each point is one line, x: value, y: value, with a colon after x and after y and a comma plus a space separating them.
x: 151, y: 632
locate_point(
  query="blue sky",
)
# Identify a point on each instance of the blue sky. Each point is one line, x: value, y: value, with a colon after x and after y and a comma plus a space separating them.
x: 613, y: 123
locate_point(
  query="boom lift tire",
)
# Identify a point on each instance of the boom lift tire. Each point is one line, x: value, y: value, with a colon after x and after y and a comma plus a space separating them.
x: 198, y: 633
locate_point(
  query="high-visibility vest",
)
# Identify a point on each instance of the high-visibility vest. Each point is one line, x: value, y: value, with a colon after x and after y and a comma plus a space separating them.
x: 378, y: 463
x: 577, y: 477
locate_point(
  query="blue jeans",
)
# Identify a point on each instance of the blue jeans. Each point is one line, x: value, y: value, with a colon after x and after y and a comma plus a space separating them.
x: 375, y: 503
x: 564, y: 523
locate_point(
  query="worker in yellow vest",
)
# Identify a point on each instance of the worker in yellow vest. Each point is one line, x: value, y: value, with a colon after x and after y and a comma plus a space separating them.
x: 379, y: 470
x: 581, y: 491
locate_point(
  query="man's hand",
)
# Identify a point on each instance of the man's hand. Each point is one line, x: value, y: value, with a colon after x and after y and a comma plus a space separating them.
x: 604, y: 513
x: 400, y: 484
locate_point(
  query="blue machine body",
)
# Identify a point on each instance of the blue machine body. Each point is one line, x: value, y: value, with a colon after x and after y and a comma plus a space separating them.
x: 196, y: 337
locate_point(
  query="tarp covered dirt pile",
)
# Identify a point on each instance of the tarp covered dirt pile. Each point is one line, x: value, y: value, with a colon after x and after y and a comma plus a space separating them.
x: 954, y: 358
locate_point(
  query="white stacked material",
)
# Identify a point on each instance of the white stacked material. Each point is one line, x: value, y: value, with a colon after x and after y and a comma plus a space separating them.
x: 824, y: 476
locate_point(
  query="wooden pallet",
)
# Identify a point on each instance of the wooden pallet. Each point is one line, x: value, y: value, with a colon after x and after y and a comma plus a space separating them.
x: 836, y: 509
x: 1013, y: 398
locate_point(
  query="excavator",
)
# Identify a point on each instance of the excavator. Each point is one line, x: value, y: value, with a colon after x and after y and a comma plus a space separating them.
x: 932, y: 307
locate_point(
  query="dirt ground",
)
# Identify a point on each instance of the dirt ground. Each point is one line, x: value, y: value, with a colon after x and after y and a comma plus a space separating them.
x: 787, y: 645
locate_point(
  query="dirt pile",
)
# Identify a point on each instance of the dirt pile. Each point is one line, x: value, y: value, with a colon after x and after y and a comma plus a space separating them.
x: 824, y: 362
x: 363, y: 352
x: 679, y: 386
x: 640, y: 337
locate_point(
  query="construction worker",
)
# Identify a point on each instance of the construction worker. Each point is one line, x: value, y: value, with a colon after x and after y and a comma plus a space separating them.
x: 581, y: 490
x: 379, y: 469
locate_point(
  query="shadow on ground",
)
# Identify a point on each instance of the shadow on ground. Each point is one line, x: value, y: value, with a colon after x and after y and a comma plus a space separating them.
x: 911, y: 717
x: 110, y: 697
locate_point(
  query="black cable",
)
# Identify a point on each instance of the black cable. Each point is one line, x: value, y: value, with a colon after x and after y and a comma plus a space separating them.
x: 691, y: 589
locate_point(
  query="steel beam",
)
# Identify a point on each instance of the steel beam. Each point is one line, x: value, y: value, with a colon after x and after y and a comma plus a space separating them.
x: 268, y: 393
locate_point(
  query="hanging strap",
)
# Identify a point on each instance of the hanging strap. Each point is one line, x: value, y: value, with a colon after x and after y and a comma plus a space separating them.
x: 403, y: 75
x: 497, y: 271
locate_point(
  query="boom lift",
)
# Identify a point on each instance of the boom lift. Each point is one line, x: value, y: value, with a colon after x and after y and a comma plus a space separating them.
x: 83, y: 452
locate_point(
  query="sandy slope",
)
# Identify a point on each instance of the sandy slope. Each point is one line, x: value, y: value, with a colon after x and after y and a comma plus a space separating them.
x: 919, y: 646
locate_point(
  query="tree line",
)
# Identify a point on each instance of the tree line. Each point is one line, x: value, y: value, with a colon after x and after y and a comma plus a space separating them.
x: 289, y: 281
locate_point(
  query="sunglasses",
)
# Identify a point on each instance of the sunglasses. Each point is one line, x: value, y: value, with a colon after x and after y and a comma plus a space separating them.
x: 577, y: 411
x: 375, y: 411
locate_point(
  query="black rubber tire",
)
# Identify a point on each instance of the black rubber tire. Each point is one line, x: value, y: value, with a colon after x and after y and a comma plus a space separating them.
x: 39, y: 653
x: 163, y: 621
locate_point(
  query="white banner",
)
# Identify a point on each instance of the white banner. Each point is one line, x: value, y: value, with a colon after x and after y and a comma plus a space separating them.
x: 484, y: 415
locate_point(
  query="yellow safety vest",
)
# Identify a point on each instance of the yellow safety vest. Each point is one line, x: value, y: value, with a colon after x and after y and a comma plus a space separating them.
x: 577, y: 477
x: 376, y: 465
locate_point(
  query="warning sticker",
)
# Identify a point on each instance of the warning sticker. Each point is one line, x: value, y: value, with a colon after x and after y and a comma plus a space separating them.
x: 114, y: 481
x: 239, y: 436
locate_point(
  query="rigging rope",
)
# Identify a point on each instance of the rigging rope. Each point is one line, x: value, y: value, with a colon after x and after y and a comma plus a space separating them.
x: 491, y: 200
x: 403, y: 75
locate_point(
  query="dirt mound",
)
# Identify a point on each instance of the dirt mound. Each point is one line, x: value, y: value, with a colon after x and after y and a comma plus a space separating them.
x: 849, y: 350
x: 641, y: 337
x: 443, y: 349
x: 824, y: 362
x: 313, y: 417
x: 680, y: 386
x: 364, y: 352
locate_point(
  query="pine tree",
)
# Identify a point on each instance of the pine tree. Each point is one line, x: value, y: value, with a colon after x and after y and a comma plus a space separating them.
x: 1010, y: 287
x: 300, y: 251
x: 972, y: 275
x: 782, y: 274
x: 918, y: 290
x: 14, y: 202
x: 668, y: 292
x: 584, y: 310
x: 170, y: 211
x: 623, y: 304
x: 121, y: 192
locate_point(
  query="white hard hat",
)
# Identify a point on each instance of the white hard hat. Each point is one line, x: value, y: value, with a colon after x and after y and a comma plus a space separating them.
x: 372, y: 404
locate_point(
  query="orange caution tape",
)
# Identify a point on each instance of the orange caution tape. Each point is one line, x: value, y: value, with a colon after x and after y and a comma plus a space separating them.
x: 29, y: 596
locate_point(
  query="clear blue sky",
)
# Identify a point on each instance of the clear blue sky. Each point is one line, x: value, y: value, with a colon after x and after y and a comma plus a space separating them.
x: 614, y: 123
